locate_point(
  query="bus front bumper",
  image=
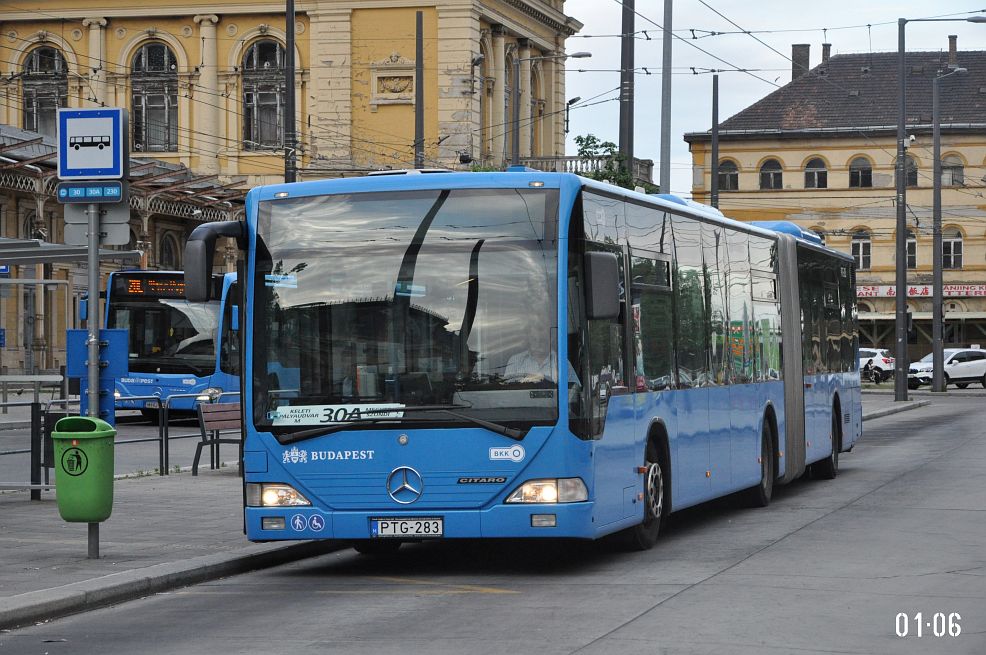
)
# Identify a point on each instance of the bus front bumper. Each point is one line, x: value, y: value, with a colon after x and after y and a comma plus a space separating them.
x: 571, y: 520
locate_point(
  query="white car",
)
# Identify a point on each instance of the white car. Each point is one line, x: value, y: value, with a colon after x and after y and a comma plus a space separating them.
x: 962, y: 367
x: 879, y: 359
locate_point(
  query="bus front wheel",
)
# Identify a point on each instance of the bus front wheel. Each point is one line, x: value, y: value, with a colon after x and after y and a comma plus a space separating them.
x: 644, y: 535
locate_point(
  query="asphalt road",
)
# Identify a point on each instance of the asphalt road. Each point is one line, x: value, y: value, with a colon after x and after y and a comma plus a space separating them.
x: 826, y: 568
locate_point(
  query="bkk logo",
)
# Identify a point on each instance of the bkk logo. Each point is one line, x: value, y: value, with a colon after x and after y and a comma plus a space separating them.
x: 512, y: 453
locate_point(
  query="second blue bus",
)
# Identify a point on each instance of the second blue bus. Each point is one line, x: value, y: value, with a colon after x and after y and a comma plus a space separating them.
x: 176, y: 348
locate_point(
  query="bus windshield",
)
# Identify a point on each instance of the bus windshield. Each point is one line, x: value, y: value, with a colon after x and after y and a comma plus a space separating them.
x: 168, y: 335
x: 406, y: 300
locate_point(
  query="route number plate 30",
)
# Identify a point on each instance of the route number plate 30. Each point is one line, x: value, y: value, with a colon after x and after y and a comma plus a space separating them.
x: 416, y: 528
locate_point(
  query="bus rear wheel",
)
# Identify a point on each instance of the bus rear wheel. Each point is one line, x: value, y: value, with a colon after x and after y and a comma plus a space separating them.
x: 828, y: 468
x: 760, y: 495
x: 644, y: 535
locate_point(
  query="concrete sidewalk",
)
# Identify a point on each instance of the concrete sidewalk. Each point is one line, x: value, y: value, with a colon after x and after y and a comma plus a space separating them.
x: 165, y: 532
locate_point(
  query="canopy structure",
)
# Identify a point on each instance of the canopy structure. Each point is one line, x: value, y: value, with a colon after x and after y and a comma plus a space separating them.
x: 34, y: 251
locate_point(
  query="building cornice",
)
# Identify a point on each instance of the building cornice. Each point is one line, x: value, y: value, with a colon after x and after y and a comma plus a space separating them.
x: 556, y: 20
x: 833, y: 132
x: 159, y: 11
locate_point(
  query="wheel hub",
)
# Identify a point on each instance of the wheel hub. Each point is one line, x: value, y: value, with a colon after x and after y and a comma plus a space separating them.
x: 655, y: 490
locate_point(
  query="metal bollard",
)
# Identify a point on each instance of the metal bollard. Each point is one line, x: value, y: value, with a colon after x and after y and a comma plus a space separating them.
x: 35, y: 449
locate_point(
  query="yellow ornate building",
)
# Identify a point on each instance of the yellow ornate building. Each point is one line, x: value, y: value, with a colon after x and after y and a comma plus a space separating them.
x: 205, y: 87
x: 204, y: 84
x: 821, y: 152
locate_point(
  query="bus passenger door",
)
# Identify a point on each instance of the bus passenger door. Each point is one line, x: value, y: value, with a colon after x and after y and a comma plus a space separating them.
x: 652, y: 334
x: 608, y: 417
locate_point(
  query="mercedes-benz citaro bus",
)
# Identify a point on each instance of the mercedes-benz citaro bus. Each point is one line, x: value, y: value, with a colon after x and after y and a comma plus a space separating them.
x: 176, y: 348
x: 525, y: 354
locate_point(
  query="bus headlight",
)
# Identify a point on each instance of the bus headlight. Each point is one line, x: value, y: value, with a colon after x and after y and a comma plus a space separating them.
x: 561, y: 490
x: 273, y: 495
x: 208, y: 395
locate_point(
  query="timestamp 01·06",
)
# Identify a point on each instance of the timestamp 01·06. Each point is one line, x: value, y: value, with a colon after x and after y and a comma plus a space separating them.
x: 918, y: 625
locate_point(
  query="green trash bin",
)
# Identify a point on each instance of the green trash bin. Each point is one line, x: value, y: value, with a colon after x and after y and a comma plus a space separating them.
x: 84, y: 468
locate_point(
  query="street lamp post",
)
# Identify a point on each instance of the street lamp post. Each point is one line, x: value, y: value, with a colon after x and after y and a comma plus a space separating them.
x: 901, y: 365
x: 568, y: 108
x: 515, y: 136
x: 937, y: 346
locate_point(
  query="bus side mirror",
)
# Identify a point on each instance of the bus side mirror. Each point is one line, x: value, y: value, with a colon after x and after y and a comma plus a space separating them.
x: 200, y: 250
x: 236, y: 318
x: 602, y: 286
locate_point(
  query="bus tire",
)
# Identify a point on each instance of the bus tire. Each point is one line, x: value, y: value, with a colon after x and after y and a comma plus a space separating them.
x: 761, y: 494
x: 377, y: 547
x: 828, y: 468
x: 644, y: 535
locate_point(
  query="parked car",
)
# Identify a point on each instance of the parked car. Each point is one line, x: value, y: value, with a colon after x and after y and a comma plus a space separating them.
x: 880, y: 360
x: 962, y: 367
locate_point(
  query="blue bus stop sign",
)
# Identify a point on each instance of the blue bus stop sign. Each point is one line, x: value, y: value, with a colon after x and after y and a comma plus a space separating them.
x: 92, y: 144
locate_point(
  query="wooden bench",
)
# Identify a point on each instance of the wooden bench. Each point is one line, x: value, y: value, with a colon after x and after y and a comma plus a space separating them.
x: 218, y: 422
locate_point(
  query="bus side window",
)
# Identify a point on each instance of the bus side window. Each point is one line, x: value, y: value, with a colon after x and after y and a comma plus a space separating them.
x: 651, y: 320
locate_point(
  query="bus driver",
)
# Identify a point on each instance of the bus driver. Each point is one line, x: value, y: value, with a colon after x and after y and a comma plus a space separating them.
x: 538, y: 362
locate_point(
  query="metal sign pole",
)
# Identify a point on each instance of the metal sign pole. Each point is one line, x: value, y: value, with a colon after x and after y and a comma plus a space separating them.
x: 93, y: 322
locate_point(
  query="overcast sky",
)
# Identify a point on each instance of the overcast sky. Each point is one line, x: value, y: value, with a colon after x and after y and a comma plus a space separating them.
x: 691, y: 95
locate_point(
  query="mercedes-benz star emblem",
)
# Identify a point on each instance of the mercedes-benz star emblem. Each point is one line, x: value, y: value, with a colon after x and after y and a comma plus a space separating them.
x: 405, y: 485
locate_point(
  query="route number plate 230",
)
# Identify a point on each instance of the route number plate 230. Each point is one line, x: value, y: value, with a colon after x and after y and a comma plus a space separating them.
x: 415, y: 528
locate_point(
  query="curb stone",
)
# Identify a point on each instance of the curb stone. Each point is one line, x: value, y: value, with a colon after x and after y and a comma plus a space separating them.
x: 48, y: 604
x: 903, y: 407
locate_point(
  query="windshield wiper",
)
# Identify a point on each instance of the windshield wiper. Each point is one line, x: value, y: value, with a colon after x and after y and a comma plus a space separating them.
x: 512, y: 433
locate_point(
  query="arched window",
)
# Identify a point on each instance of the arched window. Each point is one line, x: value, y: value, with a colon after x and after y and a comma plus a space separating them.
x: 861, y: 249
x: 154, y: 79
x: 912, y: 250
x: 952, y: 172
x: 728, y: 176
x: 816, y: 177
x: 770, y: 175
x: 169, y: 253
x: 45, y: 87
x: 860, y: 173
x: 263, y: 95
x: 864, y: 306
x: 910, y: 171
x: 951, y: 249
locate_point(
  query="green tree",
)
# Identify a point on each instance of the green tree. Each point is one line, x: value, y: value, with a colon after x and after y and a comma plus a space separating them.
x: 613, y: 169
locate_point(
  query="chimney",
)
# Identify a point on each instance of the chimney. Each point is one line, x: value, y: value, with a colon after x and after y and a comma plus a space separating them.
x: 826, y: 51
x: 799, y: 59
x: 953, y: 51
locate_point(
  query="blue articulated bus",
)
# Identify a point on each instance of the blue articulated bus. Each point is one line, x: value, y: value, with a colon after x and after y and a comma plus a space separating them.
x: 526, y: 354
x: 175, y: 347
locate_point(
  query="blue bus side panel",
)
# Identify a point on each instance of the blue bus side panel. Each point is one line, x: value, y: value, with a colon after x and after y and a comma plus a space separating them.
x: 690, y: 484
x: 820, y: 393
x: 720, y: 429
x: 616, y: 455
x: 745, y: 410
